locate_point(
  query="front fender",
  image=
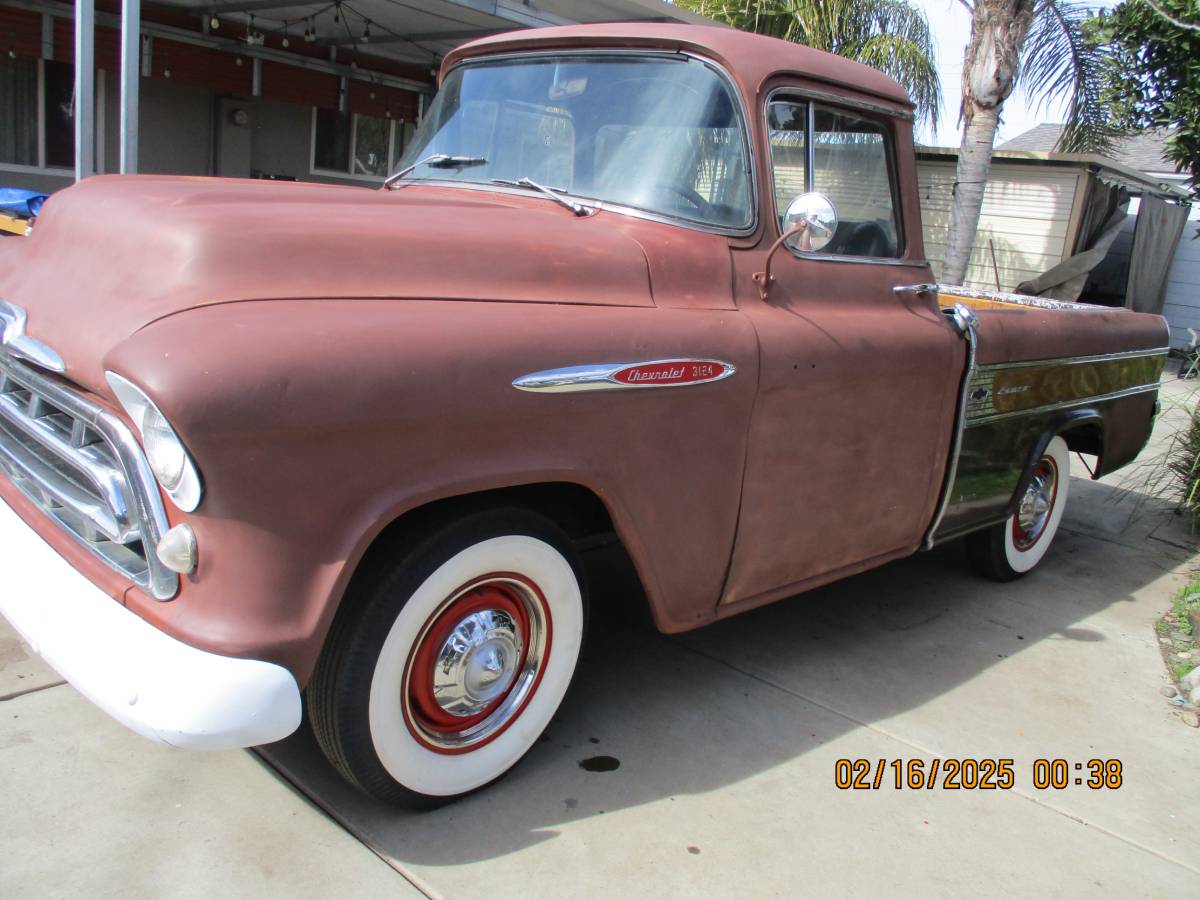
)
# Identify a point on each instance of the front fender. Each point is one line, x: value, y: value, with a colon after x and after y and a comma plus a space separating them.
x: 316, y: 423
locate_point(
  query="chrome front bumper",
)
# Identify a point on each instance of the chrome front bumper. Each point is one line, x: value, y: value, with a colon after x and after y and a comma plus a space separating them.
x: 156, y: 685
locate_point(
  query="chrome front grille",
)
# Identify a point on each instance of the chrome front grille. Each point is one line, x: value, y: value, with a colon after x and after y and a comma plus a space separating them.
x: 84, y: 468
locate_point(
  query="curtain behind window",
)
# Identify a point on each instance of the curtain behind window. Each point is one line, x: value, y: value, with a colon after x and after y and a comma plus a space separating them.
x: 18, y: 112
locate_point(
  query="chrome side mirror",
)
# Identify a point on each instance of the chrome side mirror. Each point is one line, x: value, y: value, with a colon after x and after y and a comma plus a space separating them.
x: 810, y: 222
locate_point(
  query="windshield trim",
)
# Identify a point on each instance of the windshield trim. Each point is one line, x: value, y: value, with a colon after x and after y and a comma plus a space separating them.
x: 636, y: 212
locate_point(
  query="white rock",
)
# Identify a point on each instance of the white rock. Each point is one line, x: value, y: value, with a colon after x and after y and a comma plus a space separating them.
x: 1194, y: 697
x: 1191, y: 680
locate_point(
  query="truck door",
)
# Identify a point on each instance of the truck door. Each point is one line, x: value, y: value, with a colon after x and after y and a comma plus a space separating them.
x: 852, y: 422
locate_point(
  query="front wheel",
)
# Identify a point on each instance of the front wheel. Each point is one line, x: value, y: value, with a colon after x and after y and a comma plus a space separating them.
x: 1009, y: 550
x: 445, y: 668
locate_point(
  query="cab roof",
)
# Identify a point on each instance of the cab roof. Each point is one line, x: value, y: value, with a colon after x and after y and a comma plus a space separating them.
x: 750, y: 58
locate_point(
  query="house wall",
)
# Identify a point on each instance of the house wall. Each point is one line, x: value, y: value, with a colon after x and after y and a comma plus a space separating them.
x: 177, y: 129
x: 174, y: 129
x: 187, y: 94
x: 1182, y: 303
x: 1026, y: 214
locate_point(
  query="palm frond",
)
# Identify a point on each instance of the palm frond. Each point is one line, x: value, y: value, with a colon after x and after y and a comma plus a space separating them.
x: 903, y: 59
x: 1058, y: 60
x: 894, y: 36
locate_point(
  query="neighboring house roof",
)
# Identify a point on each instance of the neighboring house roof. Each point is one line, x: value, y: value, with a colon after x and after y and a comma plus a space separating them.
x: 1144, y: 152
x: 1138, y: 181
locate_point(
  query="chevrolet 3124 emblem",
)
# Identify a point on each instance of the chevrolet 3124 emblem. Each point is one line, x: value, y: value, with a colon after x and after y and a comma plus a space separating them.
x: 19, y: 344
x: 624, y: 376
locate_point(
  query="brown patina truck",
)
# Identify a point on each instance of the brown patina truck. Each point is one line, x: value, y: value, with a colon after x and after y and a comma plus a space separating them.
x: 660, y: 283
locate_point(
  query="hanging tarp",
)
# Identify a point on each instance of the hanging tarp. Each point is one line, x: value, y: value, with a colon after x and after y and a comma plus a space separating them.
x: 21, y: 203
x: 1103, y: 216
x: 1159, y: 226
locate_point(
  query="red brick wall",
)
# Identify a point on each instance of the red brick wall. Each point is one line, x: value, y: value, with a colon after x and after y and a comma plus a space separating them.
x: 378, y: 100
x: 224, y: 73
x: 20, y: 32
x: 291, y: 84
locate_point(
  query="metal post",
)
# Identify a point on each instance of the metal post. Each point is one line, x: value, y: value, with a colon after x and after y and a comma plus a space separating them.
x: 131, y: 51
x: 85, y: 71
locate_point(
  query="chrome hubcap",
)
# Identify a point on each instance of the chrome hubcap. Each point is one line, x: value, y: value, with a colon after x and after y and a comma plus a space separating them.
x: 477, y: 663
x: 1034, y: 509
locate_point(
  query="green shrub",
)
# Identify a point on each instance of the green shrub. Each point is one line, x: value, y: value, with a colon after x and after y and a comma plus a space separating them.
x: 1183, y: 468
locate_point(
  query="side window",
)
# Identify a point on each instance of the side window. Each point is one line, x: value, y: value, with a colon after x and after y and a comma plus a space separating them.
x: 787, y: 127
x: 851, y: 165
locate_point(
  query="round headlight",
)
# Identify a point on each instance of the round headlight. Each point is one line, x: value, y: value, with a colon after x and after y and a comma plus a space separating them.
x: 165, y: 453
x: 168, y: 459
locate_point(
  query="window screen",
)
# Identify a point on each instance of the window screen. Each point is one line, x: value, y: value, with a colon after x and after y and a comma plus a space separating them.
x: 18, y: 112
x: 60, y: 114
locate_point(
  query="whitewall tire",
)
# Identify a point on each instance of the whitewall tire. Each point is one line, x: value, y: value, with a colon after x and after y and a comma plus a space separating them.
x: 1009, y: 550
x: 445, y: 668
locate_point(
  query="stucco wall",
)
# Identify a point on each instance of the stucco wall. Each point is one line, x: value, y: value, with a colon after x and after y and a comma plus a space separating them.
x: 175, y: 127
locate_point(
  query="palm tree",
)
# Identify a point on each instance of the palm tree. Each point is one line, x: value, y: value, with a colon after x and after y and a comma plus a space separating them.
x: 1041, y: 44
x: 890, y: 35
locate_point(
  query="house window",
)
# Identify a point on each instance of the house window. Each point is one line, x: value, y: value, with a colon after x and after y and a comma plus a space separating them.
x: 37, y: 116
x: 354, y: 146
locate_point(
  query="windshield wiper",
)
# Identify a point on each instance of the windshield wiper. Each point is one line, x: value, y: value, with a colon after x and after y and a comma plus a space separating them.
x: 437, y: 161
x: 554, y: 194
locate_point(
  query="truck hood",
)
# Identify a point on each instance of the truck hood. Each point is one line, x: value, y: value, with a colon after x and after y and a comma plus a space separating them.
x: 112, y: 254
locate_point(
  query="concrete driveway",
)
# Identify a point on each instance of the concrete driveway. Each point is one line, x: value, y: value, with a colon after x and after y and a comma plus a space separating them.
x: 727, y: 740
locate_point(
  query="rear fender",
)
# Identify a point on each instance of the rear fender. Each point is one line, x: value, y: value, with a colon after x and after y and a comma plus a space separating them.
x: 1063, y: 424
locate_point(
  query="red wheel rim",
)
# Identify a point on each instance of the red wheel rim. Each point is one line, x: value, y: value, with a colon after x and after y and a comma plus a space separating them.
x: 502, y: 618
x: 1036, y: 507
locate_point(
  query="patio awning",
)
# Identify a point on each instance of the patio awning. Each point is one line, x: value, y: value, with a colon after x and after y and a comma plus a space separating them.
x: 330, y: 32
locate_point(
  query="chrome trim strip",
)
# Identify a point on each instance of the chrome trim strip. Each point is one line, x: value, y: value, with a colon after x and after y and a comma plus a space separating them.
x: 691, y: 224
x: 601, y: 376
x: 810, y: 145
x: 862, y: 260
x: 1064, y: 404
x: 966, y: 322
x: 810, y: 175
x: 989, y: 368
x: 896, y: 111
x: 19, y: 344
x: 147, y: 506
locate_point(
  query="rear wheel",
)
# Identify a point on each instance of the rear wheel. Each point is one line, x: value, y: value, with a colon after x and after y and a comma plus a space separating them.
x: 443, y: 669
x: 1009, y: 550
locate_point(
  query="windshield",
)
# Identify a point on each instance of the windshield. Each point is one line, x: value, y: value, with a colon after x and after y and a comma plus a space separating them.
x: 657, y: 134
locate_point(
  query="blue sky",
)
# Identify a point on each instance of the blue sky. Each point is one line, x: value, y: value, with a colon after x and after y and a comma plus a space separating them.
x: 951, y: 25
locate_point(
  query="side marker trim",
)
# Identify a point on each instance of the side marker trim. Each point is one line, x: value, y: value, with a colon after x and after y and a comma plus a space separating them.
x: 656, y: 373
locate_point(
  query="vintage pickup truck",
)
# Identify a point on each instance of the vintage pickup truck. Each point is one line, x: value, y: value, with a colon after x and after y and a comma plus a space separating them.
x: 659, y: 284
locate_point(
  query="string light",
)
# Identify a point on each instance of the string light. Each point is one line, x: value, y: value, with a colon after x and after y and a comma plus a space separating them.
x: 214, y: 23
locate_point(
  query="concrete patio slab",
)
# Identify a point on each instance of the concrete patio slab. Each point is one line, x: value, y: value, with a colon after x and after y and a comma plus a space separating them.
x: 727, y: 739
x: 21, y: 671
x: 93, y: 810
